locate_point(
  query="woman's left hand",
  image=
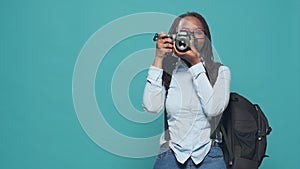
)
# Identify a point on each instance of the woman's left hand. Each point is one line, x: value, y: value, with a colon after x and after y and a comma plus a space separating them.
x: 192, y: 55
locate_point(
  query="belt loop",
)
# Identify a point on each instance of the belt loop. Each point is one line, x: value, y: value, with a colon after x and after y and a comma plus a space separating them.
x: 213, y: 142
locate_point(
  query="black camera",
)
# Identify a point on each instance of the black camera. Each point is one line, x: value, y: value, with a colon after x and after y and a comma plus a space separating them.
x: 181, y: 38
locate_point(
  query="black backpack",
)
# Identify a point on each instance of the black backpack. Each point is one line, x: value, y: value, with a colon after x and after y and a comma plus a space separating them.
x: 244, y: 127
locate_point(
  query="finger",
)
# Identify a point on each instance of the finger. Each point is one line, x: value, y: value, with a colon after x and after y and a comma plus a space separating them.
x: 168, y: 40
x: 162, y: 35
x: 165, y: 41
x: 162, y: 43
x: 168, y: 45
x: 166, y: 50
x: 193, y: 48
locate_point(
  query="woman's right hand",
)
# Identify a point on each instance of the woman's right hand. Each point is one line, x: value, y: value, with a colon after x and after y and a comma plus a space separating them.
x: 164, y: 45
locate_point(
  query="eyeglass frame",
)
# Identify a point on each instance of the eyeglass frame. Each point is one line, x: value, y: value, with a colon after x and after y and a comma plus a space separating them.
x: 193, y: 33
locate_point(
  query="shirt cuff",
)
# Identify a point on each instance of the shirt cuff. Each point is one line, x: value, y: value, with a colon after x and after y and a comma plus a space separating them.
x: 155, y: 73
x: 197, y: 69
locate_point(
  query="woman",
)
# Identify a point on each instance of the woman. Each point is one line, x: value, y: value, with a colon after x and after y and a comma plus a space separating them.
x: 194, y: 90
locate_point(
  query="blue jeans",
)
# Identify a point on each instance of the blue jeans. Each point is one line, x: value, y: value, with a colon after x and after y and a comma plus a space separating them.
x: 167, y: 160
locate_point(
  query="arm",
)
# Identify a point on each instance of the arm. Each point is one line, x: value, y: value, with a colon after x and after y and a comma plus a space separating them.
x: 213, y: 99
x: 154, y: 92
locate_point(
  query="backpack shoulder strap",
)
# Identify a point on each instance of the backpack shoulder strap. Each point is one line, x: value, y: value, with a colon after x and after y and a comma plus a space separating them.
x: 166, y: 124
x: 264, y: 118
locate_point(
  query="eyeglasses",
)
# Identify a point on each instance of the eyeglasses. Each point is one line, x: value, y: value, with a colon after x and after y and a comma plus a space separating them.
x: 198, y: 33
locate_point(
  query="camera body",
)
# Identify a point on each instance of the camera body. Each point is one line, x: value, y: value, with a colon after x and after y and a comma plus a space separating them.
x: 181, y: 38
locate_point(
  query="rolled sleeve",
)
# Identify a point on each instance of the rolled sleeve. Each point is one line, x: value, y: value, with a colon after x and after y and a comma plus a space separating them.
x: 154, y: 93
x: 154, y: 74
x: 214, y: 99
x: 197, y: 69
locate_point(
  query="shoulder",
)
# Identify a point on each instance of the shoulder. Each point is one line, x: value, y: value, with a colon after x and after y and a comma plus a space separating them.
x: 225, y: 70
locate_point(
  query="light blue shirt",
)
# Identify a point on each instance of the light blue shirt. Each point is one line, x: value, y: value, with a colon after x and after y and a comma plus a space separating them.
x: 194, y: 107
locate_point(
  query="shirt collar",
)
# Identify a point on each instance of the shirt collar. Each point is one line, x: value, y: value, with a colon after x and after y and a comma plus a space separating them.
x: 180, y: 66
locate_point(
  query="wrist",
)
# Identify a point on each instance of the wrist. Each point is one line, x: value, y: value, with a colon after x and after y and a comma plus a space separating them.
x: 158, y: 62
x: 196, y: 61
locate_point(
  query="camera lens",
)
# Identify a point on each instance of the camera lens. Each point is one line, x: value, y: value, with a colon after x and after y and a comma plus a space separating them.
x: 182, y: 41
x: 181, y: 45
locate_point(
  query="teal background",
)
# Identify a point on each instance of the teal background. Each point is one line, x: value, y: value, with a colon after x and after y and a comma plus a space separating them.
x: 40, y: 42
